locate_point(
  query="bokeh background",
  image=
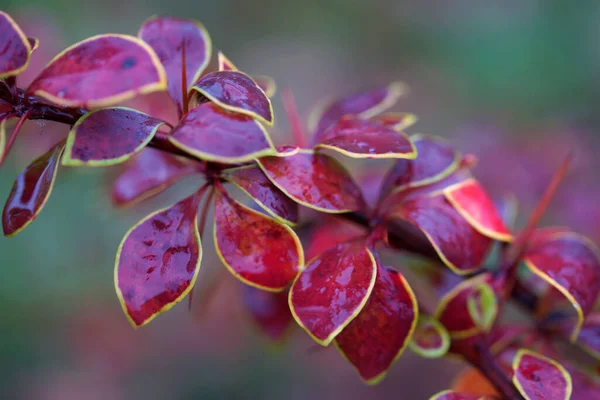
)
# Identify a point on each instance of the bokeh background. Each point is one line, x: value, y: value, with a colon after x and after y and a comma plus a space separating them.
x: 513, y: 81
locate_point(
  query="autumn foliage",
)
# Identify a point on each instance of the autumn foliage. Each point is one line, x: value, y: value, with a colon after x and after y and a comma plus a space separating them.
x: 303, y: 235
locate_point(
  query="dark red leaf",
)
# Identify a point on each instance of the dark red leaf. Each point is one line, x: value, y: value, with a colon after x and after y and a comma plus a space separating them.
x: 452, y: 395
x: 540, y: 378
x: 148, y: 174
x: 167, y: 36
x: 475, y: 205
x: 270, y: 311
x: 213, y: 134
x: 453, y: 309
x: 30, y: 191
x: 252, y: 180
x: 100, y: 71
x: 589, y: 336
x: 585, y: 387
x: 379, y: 334
x: 571, y: 264
x: 365, y: 105
x: 362, y: 138
x: 15, y: 49
x: 236, y: 92
x: 329, y: 232
x: 314, y: 180
x: 460, y: 246
x: 396, y: 120
x: 333, y: 289
x: 109, y: 136
x: 158, y: 261
x: 256, y: 249
x: 435, y: 160
x: 430, y: 339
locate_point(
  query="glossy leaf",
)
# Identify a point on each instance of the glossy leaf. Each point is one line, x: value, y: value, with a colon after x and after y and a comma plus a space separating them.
x: 435, y: 160
x: 333, y: 289
x: 31, y: 191
x: 540, y: 378
x: 365, y: 105
x: 453, y: 395
x: 158, y: 261
x: 100, y: 71
x: 255, y: 184
x: 380, y: 332
x: 256, y: 249
x: 314, y: 180
x: 457, y: 243
x: 362, y: 138
x: 571, y: 264
x: 431, y: 339
x: 270, y: 311
x: 328, y: 232
x: 589, y: 336
x: 236, y: 92
x: 15, y: 49
x: 214, y: 134
x: 109, y: 136
x: 453, y: 308
x: 398, y: 121
x: 148, y: 174
x: 475, y: 205
x: 167, y: 36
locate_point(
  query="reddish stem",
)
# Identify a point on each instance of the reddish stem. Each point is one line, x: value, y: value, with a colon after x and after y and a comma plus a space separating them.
x: 184, y: 87
x: 289, y: 104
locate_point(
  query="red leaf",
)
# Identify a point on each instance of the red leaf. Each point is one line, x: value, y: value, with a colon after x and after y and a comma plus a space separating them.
x: 540, y: 378
x: 236, y: 92
x: 167, y: 35
x: 379, y: 334
x: 365, y: 105
x: 396, y: 120
x: 453, y: 311
x: 571, y: 264
x: 15, y: 49
x: 255, y: 184
x: 333, y: 289
x: 30, y: 191
x: 329, y: 232
x: 34, y: 43
x: 256, y: 249
x: 430, y: 339
x: 435, y: 160
x: 100, y: 71
x: 109, y: 136
x: 213, y: 134
x: 457, y: 243
x: 158, y: 261
x: 148, y: 174
x: 270, y: 311
x: 361, y: 138
x: 314, y: 180
x: 475, y: 205
x: 589, y: 336
x: 452, y: 395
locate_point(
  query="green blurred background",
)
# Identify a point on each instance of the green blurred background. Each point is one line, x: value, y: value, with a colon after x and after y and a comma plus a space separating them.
x: 496, y: 77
